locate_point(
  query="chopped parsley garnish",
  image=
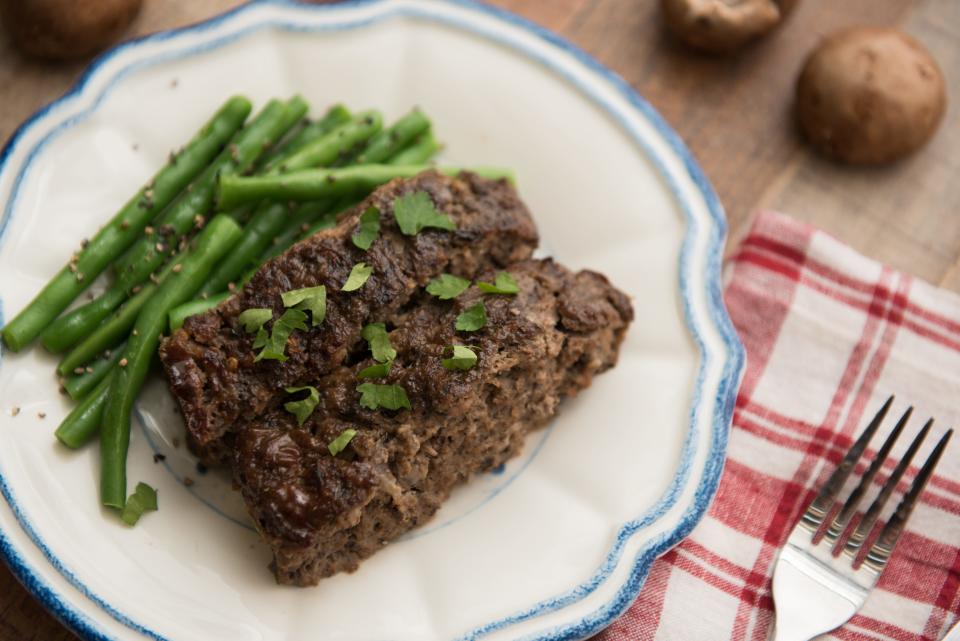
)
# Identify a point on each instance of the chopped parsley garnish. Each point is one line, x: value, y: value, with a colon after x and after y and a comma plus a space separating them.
x: 303, y: 408
x: 340, y: 443
x: 391, y: 397
x: 463, y: 358
x: 253, y: 319
x: 276, y: 343
x: 358, y: 276
x: 447, y: 286
x: 313, y: 299
x: 376, y: 335
x: 416, y: 211
x: 375, y: 371
x: 473, y: 318
x: 369, y: 229
x: 144, y: 498
x: 503, y: 284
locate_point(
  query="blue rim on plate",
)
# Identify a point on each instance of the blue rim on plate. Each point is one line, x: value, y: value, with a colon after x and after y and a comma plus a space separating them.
x: 725, y: 394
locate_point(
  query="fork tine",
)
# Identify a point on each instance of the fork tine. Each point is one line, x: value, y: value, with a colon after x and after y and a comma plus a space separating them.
x: 850, y: 506
x: 820, y: 506
x: 860, y: 534
x: 880, y: 551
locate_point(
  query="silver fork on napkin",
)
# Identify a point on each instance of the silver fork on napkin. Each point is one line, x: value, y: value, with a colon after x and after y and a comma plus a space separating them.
x: 816, y: 590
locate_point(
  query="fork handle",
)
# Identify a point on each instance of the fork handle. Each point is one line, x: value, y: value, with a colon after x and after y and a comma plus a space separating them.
x: 811, y: 609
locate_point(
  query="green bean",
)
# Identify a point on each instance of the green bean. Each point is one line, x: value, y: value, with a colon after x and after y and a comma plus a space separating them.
x: 256, y: 234
x: 391, y: 140
x: 292, y: 118
x: 70, y: 328
x: 418, y: 153
x: 270, y: 217
x: 144, y: 256
x: 330, y: 218
x: 180, y: 313
x: 335, y: 116
x: 313, y: 184
x: 293, y: 115
x: 304, y: 218
x: 82, y: 379
x: 335, y: 144
x: 114, y: 328
x: 83, y: 422
x: 107, y: 332
x: 126, y: 226
x: 211, y: 244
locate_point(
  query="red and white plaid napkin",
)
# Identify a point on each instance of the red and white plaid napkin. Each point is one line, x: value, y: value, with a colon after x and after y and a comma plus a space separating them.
x: 829, y: 335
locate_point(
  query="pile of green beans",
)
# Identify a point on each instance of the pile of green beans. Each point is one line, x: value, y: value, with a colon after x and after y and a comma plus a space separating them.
x: 269, y: 216
x: 126, y: 226
x: 152, y: 249
x: 276, y: 179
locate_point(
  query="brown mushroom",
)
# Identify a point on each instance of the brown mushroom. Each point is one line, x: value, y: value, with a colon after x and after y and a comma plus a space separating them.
x: 723, y: 26
x: 870, y: 95
x: 66, y: 29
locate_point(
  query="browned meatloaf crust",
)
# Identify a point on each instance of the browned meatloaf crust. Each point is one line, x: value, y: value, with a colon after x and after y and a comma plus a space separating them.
x: 210, y: 360
x: 323, y: 514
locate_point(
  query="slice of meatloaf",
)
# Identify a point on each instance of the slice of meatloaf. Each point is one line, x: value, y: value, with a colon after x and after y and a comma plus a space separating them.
x: 210, y: 361
x: 322, y: 514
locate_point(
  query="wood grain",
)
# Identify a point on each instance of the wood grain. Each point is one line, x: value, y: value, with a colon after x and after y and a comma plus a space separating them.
x: 734, y: 113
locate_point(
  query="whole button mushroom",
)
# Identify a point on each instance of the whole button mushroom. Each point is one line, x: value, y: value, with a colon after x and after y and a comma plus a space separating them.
x: 870, y: 95
x: 66, y: 29
x: 723, y: 26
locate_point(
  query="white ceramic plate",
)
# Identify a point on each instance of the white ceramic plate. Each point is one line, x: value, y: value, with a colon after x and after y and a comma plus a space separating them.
x: 553, y: 546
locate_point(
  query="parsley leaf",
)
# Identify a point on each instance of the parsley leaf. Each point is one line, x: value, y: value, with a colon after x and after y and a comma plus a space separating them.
x: 303, y: 408
x: 473, y: 318
x: 144, y: 498
x: 261, y: 339
x: 369, y: 229
x: 391, y: 397
x: 503, y: 284
x: 340, y: 443
x: 447, y: 286
x: 416, y: 211
x: 463, y: 358
x: 375, y: 371
x: 358, y: 276
x: 253, y: 319
x: 313, y: 299
x: 376, y: 335
x: 276, y: 344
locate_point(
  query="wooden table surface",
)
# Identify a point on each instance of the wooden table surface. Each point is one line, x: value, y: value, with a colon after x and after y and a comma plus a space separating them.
x: 734, y: 113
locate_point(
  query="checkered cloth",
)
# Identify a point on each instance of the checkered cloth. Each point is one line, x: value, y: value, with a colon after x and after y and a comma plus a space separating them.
x: 829, y: 335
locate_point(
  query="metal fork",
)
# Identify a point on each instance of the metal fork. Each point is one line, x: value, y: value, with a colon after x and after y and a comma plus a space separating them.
x: 822, y: 578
